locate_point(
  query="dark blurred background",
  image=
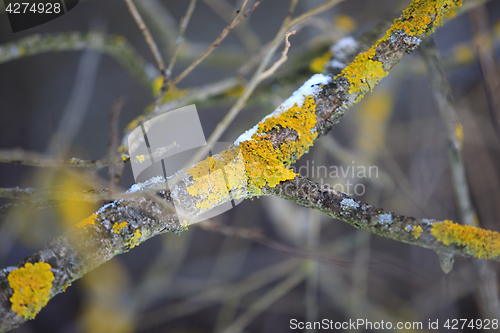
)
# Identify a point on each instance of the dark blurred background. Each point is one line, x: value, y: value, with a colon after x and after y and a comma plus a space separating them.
x: 202, y: 281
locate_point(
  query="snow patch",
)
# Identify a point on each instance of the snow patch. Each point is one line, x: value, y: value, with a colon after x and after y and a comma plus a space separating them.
x: 310, y: 87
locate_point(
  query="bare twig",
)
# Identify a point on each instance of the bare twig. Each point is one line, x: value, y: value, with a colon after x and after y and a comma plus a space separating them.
x: 178, y: 44
x: 226, y: 11
x: 215, y: 44
x: 114, y: 135
x: 147, y: 35
x: 280, y: 61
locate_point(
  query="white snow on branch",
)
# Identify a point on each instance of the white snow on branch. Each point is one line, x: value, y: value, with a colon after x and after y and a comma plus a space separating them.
x: 310, y: 87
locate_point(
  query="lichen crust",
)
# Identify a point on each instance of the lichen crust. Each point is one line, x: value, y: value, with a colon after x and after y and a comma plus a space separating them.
x: 31, y: 284
x: 478, y: 242
x: 243, y: 170
x: 419, y: 19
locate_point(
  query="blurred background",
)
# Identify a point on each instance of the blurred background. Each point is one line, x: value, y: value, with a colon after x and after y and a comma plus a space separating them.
x: 390, y: 150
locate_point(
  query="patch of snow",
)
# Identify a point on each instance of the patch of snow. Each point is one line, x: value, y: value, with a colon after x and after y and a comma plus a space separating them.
x: 310, y: 87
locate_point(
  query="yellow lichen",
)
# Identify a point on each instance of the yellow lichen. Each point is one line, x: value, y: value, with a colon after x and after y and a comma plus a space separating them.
x: 266, y: 164
x: 478, y: 242
x: 119, y: 226
x: 364, y: 73
x: 318, y: 64
x: 243, y: 170
x: 135, y: 240
x: 31, y: 285
x: 422, y: 17
x: 215, y: 176
x: 140, y: 158
x: 416, y: 231
x: 419, y: 19
x: 88, y: 221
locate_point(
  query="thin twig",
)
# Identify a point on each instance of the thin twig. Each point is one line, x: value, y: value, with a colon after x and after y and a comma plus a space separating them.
x: 147, y: 35
x: 21, y: 157
x: 114, y: 134
x: 178, y: 44
x: 280, y: 61
x: 245, y: 33
x: 215, y: 44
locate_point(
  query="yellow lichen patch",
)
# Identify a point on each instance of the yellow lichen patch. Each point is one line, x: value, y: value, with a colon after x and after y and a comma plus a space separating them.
x: 345, y: 22
x: 463, y: 53
x: 364, y: 73
x: 241, y: 171
x: 135, y: 240
x: 420, y: 18
x: 215, y: 176
x: 416, y: 231
x: 478, y: 242
x: 459, y: 133
x: 31, y: 285
x: 119, y: 226
x: 318, y: 64
x: 88, y: 221
x: 140, y: 158
x: 267, y: 164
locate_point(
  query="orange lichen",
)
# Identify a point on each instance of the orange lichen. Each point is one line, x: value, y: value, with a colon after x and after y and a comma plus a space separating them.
x: 119, y: 226
x: 88, y: 221
x: 478, y: 242
x: 31, y: 285
x: 318, y: 64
